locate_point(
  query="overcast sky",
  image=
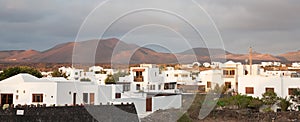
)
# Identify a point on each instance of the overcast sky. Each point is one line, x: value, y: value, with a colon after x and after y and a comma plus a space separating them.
x: 270, y: 26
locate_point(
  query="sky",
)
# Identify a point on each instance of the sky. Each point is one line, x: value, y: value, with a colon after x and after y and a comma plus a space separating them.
x: 269, y: 26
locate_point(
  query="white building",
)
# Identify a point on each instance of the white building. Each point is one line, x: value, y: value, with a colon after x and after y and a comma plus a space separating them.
x: 295, y: 65
x: 257, y: 85
x: 146, y: 78
x: 180, y: 76
x: 95, y: 73
x: 26, y: 89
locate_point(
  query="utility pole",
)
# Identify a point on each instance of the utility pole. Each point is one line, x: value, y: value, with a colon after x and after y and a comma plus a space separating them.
x: 250, y: 59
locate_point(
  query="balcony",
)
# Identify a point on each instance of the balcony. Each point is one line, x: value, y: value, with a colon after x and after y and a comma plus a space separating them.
x: 138, y: 79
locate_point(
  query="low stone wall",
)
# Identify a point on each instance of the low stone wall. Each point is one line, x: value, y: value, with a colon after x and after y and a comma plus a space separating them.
x: 101, y: 113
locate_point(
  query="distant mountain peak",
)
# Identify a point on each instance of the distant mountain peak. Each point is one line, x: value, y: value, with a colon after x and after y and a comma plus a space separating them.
x: 113, y: 49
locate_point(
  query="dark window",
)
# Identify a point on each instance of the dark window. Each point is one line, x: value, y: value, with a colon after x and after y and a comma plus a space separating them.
x: 269, y: 89
x: 85, y: 97
x: 37, y: 97
x: 138, y: 76
x: 292, y: 91
x: 208, y: 84
x: 229, y: 73
x: 249, y: 90
x: 118, y: 95
x: 138, y: 87
x: 246, y: 72
x: 126, y: 87
x: 169, y: 86
x: 228, y: 85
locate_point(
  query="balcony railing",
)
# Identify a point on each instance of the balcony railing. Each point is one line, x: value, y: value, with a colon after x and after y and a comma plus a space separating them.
x: 138, y: 79
x: 228, y: 76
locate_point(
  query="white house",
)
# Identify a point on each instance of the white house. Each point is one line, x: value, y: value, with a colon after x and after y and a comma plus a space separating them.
x: 26, y: 89
x: 257, y: 85
x: 146, y: 78
x: 180, y: 76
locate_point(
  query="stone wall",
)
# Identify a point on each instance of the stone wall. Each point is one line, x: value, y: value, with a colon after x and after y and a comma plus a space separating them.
x: 112, y: 113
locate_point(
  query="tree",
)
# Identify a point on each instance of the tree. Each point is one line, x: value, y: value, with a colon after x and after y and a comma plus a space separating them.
x: 269, y: 97
x: 119, y: 74
x: 57, y: 73
x: 16, y: 70
x: 110, y: 79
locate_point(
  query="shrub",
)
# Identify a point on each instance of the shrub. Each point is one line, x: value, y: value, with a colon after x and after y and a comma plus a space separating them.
x: 269, y: 97
x: 284, y: 104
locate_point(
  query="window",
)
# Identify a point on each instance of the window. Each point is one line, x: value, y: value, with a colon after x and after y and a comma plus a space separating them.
x: 159, y: 87
x: 208, y: 84
x: 85, y: 97
x: 118, y: 95
x: 292, y: 90
x: 246, y: 72
x: 228, y: 85
x: 37, y: 97
x: 152, y: 87
x: 175, y: 75
x: 229, y: 72
x: 138, y: 76
x: 169, y: 86
x: 249, y: 90
x: 268, y: 89
x: 76, y: 73
x: 138, y: 87
x: 184, y: 75
x: 126, y: 87
x: 167, y: 75
x: 17, y: 97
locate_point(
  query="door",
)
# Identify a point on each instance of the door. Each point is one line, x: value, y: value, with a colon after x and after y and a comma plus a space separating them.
x: 149, y: 104
x: 92, y: 98
x: 74, y: 99
x: 7, y: 99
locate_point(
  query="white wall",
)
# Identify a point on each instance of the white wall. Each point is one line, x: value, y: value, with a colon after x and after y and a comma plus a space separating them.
x: 65, y: 88
x: 48, y: 89
x: 280, y: 84
x: 166, y: 102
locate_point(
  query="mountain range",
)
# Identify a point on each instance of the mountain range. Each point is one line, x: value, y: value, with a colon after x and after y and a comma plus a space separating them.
x: 114, y: 50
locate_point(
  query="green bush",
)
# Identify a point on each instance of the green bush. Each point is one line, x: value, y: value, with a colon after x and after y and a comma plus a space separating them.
x: 284, y: 103
x: 255, y: 103
x: 269, y: 97
x: 241, y: 101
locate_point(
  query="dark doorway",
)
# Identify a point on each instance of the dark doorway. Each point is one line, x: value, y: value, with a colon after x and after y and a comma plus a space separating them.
x: 74, y: 98
x: 149, y: 104
x: 7, y: 99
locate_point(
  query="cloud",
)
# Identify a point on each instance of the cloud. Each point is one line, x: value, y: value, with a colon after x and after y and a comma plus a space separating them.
x: 42, y: 24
